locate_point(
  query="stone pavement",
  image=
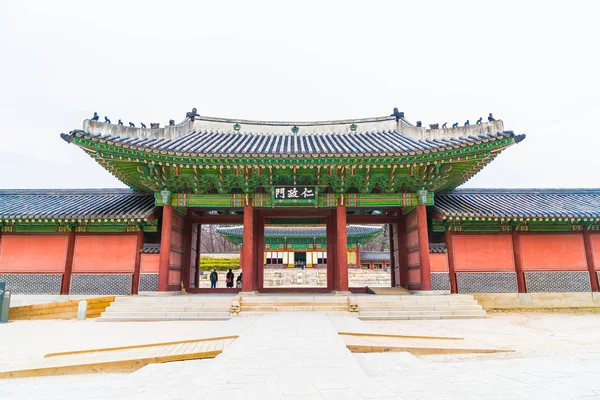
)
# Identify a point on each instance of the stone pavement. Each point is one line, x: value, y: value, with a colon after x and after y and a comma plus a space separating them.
x: 300, y: 356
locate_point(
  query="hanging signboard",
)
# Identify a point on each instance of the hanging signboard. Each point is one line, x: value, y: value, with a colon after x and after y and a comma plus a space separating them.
x: 294, y: 195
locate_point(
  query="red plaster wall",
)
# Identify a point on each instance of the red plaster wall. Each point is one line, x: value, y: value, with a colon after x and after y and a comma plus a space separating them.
x: 553, y: 251
x: 104, y: 254
x: 149, y: 263
x: 33, y: 253
x: 595, y: 239
x: 483, y: 253
x: 438, y: 262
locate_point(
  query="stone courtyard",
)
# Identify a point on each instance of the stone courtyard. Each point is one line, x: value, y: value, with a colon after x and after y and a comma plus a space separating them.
x: 300, y: 356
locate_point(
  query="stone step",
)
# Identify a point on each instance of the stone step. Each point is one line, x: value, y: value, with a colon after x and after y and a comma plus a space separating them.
x: 409, y: 314
x: 166, y: 318
x: 278, y: 308
x: 421, y: 307
x: 419, y: 317
x: 156, y: 314
x: 260, y: 313
x: 293, y: 303
x: 166, y: 309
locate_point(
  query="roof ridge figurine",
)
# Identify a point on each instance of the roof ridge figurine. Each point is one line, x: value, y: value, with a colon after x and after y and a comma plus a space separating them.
x: 131, y: 124
x: 491, y: 118
x: 143, y: 125
x: 397, y: 114
x: 95, y: 117
x: 120, y: 123
x: 106, y: 120
x: 192, y: 114
x: 479, y: 121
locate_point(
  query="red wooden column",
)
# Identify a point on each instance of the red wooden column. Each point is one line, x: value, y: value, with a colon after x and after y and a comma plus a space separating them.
x: 392, y: 237
x: 247, y: 257
x: 516, y: 242
x: 358, y: 257
x: 165, y: 249
x: 341, y: 257
x: 139, y: 242
x: 589, y: 256
x: 187, y: 251
x: 451, y: 255
x: 401, y: 257
x: 424, y: 247
x: 331, y: 236
x: 65, y: 286
x: 198, y: 254
x: 260, y: 250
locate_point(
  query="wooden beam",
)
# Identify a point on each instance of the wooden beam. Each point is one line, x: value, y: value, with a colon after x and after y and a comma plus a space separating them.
x: 392, y: 238
x: 331, y: 243
x: 165, y: 249
x: 451, y: 260
x: 198, y: 255
x: 247, y: 256
x: 423, y: 247
x: 135, y: 280
x: 65, y: 286
x: 218, y: 219
x: 518, y: 259
x: 375, y: 219
x: 589, y: 256
x: 187, y: 251
x: 402, y: 258
x: 341, y: 281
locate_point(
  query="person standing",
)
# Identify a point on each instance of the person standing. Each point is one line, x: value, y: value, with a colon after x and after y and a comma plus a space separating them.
x: 238, y: 282
x: 214, y: 277
x: 229, y: 279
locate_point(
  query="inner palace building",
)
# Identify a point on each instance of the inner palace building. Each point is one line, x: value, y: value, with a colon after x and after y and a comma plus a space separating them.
x: 298, y: 193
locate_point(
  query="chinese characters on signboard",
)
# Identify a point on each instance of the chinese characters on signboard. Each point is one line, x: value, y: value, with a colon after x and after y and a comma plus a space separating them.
x: 295, y: 193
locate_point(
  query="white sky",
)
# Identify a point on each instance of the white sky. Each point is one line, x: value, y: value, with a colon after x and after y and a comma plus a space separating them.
x: 533, y: 64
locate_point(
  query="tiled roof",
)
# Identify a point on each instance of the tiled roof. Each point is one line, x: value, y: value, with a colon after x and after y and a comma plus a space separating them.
x: 437, y: 248
x: 519, y: 203
x: 150, y: 248
x: 75, y: 203
x: 374, y: 256
x: 224, y: 144
x: 301, y: 231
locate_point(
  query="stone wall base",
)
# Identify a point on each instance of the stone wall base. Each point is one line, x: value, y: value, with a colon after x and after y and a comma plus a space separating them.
x: 509, y: 301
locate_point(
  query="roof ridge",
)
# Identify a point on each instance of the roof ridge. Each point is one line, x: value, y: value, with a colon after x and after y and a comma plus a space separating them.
x: 64, y: 192
x: 520, y: 190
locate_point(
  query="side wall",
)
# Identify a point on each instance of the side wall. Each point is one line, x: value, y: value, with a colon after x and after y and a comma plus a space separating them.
x: 102, y: 264
x: 550, y: 261
x: 33, y: 263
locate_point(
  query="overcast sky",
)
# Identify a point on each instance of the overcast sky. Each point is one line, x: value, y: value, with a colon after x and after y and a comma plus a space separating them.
x: 535, y: 65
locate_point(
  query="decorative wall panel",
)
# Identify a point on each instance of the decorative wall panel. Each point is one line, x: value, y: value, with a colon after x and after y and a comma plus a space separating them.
x: 557, y: 282
x: 440, y: 281
x: 32, y: 283
x: 104, y: 284
x: 487, y: 282
x: 148, y: 283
